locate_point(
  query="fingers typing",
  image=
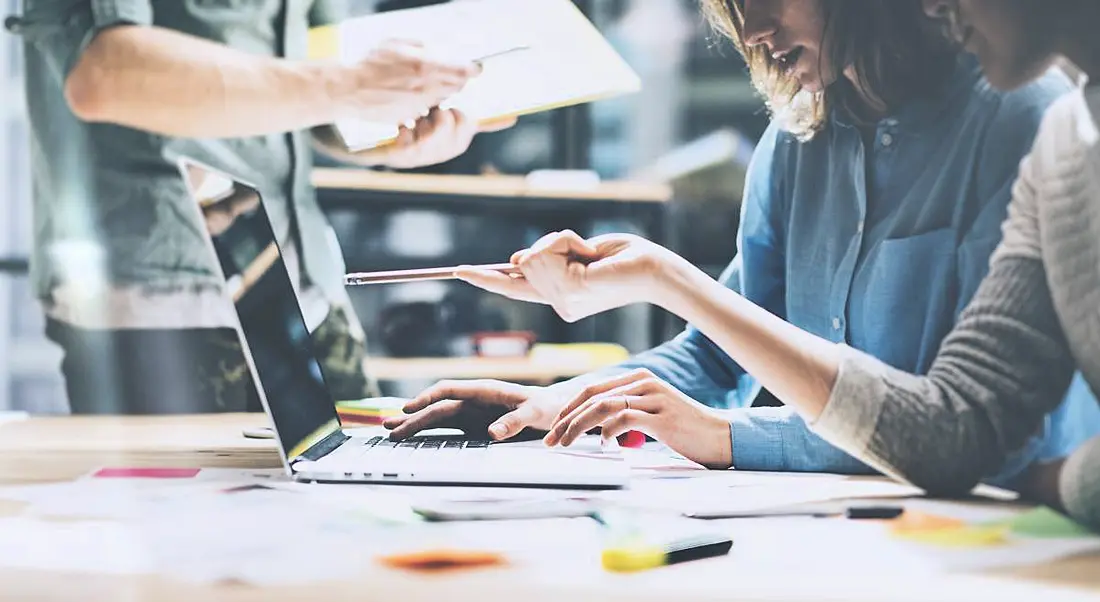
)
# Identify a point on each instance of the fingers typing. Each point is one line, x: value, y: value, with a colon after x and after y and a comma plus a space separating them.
x: 439, y: 415
x: 627, y: 420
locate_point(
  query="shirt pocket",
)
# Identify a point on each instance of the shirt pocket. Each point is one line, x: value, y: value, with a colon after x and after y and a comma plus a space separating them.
x: 910, y: 298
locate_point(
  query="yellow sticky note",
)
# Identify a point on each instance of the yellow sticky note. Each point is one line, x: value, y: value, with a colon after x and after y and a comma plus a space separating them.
x: 958, y: 537
x: 946, y: 531
x: 913, y: 521
x: 324, y: 42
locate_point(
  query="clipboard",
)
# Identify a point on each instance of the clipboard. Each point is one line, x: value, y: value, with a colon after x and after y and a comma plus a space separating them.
x: 565, y: 60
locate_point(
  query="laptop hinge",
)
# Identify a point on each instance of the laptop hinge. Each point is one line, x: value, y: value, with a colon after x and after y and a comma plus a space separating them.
x: 325, y: 446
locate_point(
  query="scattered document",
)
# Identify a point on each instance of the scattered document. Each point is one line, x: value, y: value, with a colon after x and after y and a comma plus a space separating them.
x: 78, y: 547
x: 538, y: 55
x: 730, y: 494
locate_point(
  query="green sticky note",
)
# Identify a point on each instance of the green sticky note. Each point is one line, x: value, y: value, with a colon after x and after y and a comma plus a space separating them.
x: 1044, y: 522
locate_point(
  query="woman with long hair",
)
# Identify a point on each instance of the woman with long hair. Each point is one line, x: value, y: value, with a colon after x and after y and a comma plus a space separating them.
x: 872, y: 205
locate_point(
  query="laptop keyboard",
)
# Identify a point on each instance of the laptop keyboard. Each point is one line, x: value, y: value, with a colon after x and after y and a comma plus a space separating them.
x: 382, y: 447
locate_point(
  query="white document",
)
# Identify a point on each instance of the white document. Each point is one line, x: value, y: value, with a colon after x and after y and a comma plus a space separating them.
x: 729, y: 494
x: 80, y: 547
x: 543, y: 54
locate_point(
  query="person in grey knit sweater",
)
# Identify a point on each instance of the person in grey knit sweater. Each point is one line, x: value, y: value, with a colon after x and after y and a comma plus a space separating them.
x: 1034, y: 320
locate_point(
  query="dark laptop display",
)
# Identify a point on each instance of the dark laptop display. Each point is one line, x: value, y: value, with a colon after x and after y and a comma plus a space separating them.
x: 280, y: 352
x: 271, y: 319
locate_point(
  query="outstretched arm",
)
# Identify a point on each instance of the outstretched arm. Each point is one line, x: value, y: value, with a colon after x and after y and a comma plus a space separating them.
x: 115, y: 66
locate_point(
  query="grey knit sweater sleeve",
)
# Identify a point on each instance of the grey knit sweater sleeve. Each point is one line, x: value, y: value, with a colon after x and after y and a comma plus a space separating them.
x: 1003, y: 367
x: 1010, y: 357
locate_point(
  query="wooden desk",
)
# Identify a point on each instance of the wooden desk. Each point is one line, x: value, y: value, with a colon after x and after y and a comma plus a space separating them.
x: 75, y: 445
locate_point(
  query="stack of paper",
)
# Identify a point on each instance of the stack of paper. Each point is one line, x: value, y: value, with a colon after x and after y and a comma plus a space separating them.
x: 544, y: 54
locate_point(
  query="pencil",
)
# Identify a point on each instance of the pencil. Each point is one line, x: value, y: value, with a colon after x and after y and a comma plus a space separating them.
x: 506, y: 51
x: 396, y: 276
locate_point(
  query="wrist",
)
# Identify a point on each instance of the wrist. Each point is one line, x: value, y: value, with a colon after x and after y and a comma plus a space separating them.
x: 671, y: 281
x: 331, y: 85
x: 721, y: 442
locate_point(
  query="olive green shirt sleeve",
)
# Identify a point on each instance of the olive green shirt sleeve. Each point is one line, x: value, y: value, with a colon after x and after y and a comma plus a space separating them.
x: 62, y: 29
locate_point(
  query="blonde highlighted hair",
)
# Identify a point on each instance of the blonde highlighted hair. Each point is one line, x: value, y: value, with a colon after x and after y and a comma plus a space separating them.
x: 893, y: 51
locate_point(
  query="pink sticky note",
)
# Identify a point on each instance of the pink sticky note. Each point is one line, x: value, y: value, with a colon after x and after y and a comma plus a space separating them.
x: 147, y: 473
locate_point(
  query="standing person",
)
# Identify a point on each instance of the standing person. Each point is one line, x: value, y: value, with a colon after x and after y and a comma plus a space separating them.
x: 117, y: 91
x: 872, y: 205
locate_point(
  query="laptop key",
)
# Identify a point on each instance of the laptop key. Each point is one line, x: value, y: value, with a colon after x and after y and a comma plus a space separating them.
x: 433, y: 444
x: 474, y: 444
x: 453, y: 445
x: 372, y: 441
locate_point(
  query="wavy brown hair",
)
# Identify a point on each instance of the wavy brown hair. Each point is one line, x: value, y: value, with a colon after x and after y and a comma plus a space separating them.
x: 894, y: 51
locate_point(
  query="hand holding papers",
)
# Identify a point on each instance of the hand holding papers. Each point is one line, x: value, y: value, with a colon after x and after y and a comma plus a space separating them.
x: 535, y: 55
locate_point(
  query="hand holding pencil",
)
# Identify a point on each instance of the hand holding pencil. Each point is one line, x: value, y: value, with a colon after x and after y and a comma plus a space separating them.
x: 448, y: 273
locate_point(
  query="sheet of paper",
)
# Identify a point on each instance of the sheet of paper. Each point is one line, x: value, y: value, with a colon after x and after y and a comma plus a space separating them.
x: 564, y: 60
x: 81, y: 547
x: 728, y: 493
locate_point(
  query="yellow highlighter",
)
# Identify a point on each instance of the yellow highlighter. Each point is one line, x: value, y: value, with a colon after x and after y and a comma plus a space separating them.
x: 630, y: 558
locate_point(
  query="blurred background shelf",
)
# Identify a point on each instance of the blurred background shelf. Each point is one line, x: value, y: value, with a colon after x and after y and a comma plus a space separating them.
x: 526, y: 370
x: 494, y: 186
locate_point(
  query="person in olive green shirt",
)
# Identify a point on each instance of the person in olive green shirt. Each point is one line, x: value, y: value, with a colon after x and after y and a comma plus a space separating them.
x: 117, y: 91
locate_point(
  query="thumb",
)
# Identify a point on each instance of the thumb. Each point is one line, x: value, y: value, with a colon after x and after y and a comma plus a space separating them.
x: 496, y: 125
x: 570, y: 243
x: 510, y: 424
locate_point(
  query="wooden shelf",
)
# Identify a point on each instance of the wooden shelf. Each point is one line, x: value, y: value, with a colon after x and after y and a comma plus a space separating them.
x: 510, y: 369
x: 482, y: 186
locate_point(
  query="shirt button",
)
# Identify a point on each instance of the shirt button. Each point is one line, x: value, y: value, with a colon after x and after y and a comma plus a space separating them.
x: 836, y: 323
x: 887, y: 139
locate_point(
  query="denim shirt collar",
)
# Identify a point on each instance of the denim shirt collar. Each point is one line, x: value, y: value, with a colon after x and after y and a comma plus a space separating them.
x: 915, y: 115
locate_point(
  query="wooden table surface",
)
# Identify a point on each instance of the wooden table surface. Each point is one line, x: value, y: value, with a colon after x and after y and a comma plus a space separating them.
x: 57, y: 449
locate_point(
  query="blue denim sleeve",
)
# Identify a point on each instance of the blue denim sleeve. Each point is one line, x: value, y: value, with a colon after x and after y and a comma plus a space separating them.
x: 693, y: 363
x: 778, y: 439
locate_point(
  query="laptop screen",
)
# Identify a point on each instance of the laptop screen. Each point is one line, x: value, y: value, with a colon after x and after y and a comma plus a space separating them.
x: 273, y: 328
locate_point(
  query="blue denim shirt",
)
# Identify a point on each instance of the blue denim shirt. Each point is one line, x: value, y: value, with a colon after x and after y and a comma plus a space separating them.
x: 883, y: 261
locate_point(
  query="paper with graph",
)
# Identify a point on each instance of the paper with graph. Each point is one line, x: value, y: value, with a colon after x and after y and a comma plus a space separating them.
x: 544, y: 54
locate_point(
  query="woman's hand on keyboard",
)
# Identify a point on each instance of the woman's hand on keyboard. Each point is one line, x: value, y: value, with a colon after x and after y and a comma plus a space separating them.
x: 503, y: 410
x: 640, y: 401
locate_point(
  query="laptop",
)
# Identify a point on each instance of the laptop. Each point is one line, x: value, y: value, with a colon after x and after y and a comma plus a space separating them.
x: 291, y: 384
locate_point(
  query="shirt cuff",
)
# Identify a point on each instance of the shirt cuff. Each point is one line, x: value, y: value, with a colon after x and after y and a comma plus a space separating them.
x: 851, y: 415
x: 755, y: 447
x: 1080, y: 484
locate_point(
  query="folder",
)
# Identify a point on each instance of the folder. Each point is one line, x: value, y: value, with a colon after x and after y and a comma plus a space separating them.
x: 538, y: 55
